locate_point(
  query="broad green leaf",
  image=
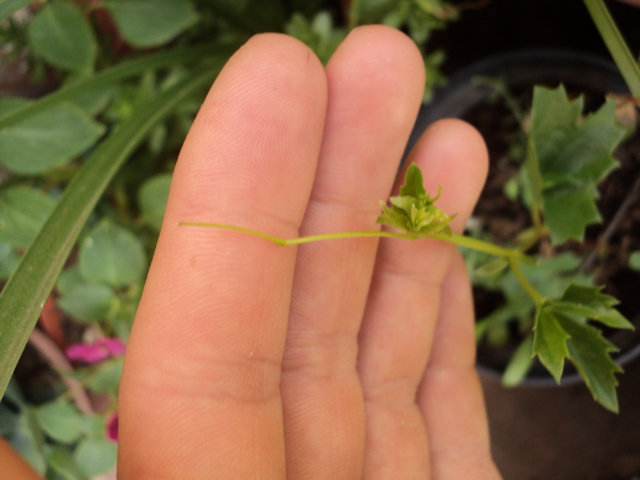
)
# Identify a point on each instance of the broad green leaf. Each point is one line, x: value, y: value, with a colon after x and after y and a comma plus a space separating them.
x: 152, y: 198
x: 28, y: 440
x: 106, y: 378
x: 47, y: 139
x: 520, y: 363
x: 151, y: 23
x: 89, y: 302
x: 9, y: 7
x: 550, y: 342
x: 62, y: 35
x: 590, y: 352
x: 113, y: 255
x: 28, y: 288
x: 60, y: 421
x: 95, y: 456
x: 23, y: 211
x: 69, y: 279
x: 8, y: 260
x: 572, y: 157
x: 589, y: 302
x: 61, y: 461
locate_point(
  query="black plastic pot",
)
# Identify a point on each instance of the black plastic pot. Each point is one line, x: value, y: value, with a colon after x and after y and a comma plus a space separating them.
x: 539, y: 430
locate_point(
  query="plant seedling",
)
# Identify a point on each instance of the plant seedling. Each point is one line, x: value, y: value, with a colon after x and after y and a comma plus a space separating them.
x: 561, y: 329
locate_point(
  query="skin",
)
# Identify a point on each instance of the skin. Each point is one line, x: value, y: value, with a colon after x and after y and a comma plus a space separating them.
x: 343, y: 359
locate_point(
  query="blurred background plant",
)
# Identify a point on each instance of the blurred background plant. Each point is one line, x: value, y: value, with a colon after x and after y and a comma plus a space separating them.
x: 85, y: 170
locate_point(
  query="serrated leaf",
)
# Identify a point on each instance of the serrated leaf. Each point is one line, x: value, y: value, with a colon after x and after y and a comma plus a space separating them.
x: 48, y: 139
x: 62, y: 36
x: 113, y: 255
x: 23, y: 210
x: 60, y: 421
x: 589, y: 302
x: 590, y: 352
x: 572, y: 156
x: 151, y: 23
x: 520, y: 363
x: 152, y: 197
x: 568, y: 210
x: 550, y: 342
x: 89, y: 302
x: 95, y: 456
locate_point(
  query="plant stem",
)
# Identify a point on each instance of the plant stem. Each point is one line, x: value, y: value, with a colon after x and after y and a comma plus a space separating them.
x: 456, y: 239
x: 616, y: 44
x: 531, y: 291
x: 354, y: 14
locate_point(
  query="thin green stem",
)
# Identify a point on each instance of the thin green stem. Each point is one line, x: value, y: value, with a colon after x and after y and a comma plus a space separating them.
x: 615, y: 43
x: 531, y: 291
x: 456, y: 239
x: 354, y: 14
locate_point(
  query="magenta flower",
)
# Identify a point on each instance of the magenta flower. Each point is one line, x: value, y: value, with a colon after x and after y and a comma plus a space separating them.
x: 112, y: 427
x: 100, y: 350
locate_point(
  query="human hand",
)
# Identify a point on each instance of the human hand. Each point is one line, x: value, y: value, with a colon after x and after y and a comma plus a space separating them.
x: 342, y: 359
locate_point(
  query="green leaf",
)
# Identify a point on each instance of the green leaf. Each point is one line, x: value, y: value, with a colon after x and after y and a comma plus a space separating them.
x: 493, y: 267
x: 320, y: 34
x: 61, y: 461
x: 550, y: 342
x: 589, y: 302
x: 62, y: 35
x: 589, y: 351
x: 69, y: 279
x: 568, y: 210
x: 60, y: 421
x: 9, y: 7
x: 28, y: 440
x: 113, y: 255
x: 9, y: 420
x: 413, y: 182
x: 8, y: 260
x: 152, y: 197
x: 107, y: 376
x: 89, y: 302
x: 520, y: 363
x: 48, y: 139
x: 23, y: 211
x: 151, y: 23
x: 571, y: 156
x: 95, y: 456
x: 28, y: 288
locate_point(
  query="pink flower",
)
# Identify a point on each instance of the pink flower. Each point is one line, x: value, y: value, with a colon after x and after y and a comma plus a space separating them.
x: 112, y: 427
x: 100, y: 350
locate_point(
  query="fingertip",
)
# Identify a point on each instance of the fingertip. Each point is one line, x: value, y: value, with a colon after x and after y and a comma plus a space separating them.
x: 453, y: 155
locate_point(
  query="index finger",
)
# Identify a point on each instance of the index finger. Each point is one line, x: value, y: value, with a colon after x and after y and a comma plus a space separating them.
x: 200, y: 392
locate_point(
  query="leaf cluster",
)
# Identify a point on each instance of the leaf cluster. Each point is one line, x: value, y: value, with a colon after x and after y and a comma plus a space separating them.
x: 413, y: 211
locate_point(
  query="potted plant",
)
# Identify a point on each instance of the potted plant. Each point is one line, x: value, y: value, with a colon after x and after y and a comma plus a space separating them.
x: 541, y: 429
